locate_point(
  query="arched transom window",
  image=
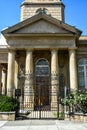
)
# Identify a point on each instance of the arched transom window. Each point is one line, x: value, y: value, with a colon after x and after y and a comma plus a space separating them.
x: 82, y: 73
x: 42, y: 68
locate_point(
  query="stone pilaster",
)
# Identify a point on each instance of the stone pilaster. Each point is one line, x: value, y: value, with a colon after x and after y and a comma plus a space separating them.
x: 10, y: 75
x: 28, y: 89
x: 3, y: 81
x: 54, y: 79
x: 73, y: 70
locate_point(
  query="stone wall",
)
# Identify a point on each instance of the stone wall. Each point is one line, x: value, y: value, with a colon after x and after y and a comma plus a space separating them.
x: 7, y: 116
x: 56, y: 10
x: 76, y: 117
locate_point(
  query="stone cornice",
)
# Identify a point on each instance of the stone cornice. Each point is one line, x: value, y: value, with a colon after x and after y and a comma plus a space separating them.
x: 82, y: 38
x: 3, y: 49
x: 40, y: 35
x: 42, y: 3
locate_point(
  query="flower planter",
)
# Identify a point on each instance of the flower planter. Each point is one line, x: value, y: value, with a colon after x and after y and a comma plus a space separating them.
x: 7, y: 116
x: 76, y: 116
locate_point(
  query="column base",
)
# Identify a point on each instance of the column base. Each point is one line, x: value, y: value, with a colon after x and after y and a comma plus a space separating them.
x: 54, y: 106
x: 29, y: 106
x: 29, y: 103
x: 10, y: 93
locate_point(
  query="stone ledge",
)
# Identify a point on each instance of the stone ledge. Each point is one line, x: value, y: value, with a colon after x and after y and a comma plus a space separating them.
x: 76, y: 117
x: 7, y: 116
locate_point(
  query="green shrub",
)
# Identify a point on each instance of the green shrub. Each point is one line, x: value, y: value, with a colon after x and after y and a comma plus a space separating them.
x: 8, y: 104
x: 77, y: 100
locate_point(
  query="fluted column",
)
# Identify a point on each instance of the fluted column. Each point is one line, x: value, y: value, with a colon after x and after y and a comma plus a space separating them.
x: 73, y: 70
x: 54, y: 79
x: 28, y: 89
x: 10, y: 75
x: 3, y: 81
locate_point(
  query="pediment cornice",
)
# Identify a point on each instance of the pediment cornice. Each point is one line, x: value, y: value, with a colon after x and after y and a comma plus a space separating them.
x: 41, y: 16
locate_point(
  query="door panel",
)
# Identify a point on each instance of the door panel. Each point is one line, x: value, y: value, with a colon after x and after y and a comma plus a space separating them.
x: 42, y: 84
x: 42, y: 90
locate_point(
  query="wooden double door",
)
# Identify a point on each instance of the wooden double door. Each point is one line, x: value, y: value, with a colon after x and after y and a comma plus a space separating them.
x: 42, y: 92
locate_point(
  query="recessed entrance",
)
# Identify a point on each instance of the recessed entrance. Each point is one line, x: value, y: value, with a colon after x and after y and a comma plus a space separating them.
x: 42, y: 85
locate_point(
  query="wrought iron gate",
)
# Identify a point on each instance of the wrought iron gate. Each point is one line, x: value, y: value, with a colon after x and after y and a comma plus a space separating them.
x: 42, y: 101
x: 42, y: 108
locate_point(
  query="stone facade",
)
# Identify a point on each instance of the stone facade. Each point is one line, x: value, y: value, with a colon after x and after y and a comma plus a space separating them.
x: 41, y: 37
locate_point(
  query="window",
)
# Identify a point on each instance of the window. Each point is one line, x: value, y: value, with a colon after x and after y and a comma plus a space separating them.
x: 82, y: 73
x: 42, y: 68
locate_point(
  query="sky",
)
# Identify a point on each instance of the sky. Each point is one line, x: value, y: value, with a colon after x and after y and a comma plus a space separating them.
x: 75, y: 13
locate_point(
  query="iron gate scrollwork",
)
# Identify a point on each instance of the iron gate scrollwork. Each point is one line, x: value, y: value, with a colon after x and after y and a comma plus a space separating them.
x: 40, y: 103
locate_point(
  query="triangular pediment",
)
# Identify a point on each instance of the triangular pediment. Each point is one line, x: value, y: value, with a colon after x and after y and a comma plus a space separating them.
x: 41, y: 24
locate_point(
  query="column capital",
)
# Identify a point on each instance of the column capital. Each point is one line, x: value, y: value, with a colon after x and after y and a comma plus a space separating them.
x: 12, y: 51
x: 11, y: 48
x: 54, y: 51
x: 29, y: 50
x: 3, y: 69
x: 72, y: 48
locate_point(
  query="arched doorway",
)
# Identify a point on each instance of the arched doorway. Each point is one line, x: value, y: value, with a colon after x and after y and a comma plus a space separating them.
x: 42, y: 84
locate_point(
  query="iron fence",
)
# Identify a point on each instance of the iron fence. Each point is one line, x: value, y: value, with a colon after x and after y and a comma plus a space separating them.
x: 41, y: 100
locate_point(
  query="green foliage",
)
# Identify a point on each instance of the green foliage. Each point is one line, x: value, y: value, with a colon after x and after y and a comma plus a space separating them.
x: 60, y: 115
x: 78, y: 100
x: 8, y: 104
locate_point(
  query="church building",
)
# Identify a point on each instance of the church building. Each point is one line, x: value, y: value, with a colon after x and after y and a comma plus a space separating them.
x: 43, y: 56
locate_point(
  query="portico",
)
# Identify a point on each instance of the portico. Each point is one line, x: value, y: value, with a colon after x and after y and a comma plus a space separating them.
x: 42, y: 57
x: 57, y: 68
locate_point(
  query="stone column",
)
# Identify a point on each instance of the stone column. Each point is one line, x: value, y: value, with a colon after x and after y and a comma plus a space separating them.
x: 73, y: 70
x: 10, y: 75
x: 16, y: 75
x: 3, y: 81
x: 0, y: 79
x: 54, y: 80
x: 28, y: 89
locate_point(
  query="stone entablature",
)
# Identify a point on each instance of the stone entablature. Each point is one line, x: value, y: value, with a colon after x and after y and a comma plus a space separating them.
x: 36, y: 43
x: 3, y: 53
